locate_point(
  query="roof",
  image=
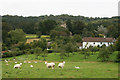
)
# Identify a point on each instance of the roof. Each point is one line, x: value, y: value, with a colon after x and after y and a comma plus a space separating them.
x: 4, y: 51
x: 97, y: 39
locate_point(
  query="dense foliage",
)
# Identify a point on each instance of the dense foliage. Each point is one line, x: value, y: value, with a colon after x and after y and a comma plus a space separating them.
x: 65, y: 31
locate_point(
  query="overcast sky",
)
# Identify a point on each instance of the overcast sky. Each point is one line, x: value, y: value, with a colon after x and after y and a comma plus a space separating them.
x: 88, y: 8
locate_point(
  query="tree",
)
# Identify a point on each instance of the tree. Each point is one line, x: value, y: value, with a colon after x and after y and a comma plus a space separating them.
x: 78, y: 27
x: 104, y: 54
x: 62, y: 52
x: 5, y: 29
x: 69, y: 25
x: 38, y: 34
x: 27, y: 52
x: 69, y: 48
x: 17, y: 35
x: 118, y: 58
x: 44, y: 54
x: 112, y: 31
x: 117, y: 44
x: 102, y: 30
x: 77, y: 38
x: 46, y: 26
x: 85, y: 53
x: 86, y: 33
x: 37, y: 51
x: 55, y: 47
x: 58, y: 32
x: 43, y: 44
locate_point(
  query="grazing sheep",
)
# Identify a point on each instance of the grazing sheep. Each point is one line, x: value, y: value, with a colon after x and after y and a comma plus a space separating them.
x: 31, y: 65
x: 35, y: 61
x: 77, y: 67
x: 49, y: 65
x: 6, y: 61
x: 17, y: 65
x: 29, y: 62
x: 15, y: 62
x: 25, y: 62
x: 61, y: 65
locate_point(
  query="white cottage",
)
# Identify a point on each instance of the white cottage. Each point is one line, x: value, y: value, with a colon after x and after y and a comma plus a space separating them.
x: 96, y: 41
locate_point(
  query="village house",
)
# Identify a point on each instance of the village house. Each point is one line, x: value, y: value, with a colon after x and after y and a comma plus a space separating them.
x: 96, y: 41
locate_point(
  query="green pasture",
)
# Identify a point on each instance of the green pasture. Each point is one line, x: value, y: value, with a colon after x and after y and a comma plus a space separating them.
x: 89, y: 68
x: 35, y: 36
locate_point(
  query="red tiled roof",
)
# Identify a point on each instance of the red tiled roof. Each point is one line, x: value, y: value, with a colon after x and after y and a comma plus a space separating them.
x: 4, y: 51
x: 97, y: 39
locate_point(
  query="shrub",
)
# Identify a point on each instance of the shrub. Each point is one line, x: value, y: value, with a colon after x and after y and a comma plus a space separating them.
x: 104, y: 54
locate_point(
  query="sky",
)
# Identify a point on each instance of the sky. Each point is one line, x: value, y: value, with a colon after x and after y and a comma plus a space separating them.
x: 87, y: 8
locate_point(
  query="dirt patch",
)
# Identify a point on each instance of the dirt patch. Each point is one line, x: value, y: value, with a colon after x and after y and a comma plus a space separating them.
x: 31, y: 40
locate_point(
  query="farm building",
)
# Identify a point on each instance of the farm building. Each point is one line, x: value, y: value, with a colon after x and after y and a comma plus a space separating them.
x: 96, y: 41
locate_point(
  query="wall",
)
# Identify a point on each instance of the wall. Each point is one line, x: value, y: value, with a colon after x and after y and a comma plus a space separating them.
x: 87, y: 44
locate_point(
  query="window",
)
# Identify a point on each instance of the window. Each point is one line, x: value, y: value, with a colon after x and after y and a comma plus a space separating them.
x: 94, y: 43
x: 101, y: 43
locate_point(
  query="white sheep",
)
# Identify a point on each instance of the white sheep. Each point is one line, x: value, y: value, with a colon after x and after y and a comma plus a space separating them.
x: 15, y: 62
x: 50, y: 65
x: 77, y: 67
x: 25, y: 62
x: 6, y: 61
x: 29, y: 61
x: 35, y: 61
x: 31, y: 65
x: 61, y: 65
x: 17, y: 65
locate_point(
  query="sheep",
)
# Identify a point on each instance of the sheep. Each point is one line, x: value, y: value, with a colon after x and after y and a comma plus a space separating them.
x: 15, y: 62
x: 35, y: 61
x: 6, y: 61
x: 29, y: 62
x: 31, y: 65
x: 77, y: 67
x: 50, y: 65
x: 61, y: 65
x: 17, y: 65
x: 25, y: 62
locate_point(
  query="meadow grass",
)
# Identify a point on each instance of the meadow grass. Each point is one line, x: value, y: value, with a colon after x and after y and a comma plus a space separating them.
x: 89, y: 68
x: 77, y: 57
x: 31, y: 36
x: 35, y: 36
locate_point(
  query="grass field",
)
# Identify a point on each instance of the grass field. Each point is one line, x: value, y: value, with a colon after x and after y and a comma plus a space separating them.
x: 89, y: 68
x: 32, y: 37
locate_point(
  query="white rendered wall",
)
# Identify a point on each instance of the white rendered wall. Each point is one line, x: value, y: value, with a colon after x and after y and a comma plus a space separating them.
x: 87, y: 44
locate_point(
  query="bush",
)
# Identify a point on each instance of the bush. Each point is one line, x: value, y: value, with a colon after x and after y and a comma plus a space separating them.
x: 12, y: 54
x: 104, y: 54
x: 117, y: 58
